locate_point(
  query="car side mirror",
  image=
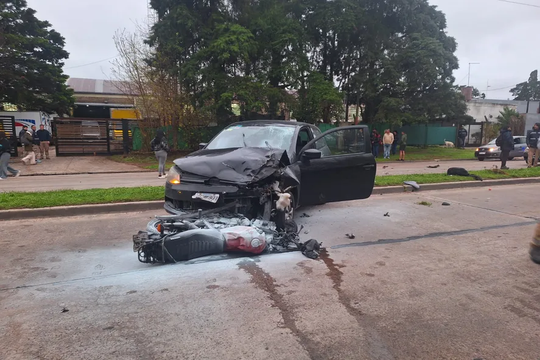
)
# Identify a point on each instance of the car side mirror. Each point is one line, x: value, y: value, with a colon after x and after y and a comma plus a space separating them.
x: 202, y: 145
x: 312, y: 154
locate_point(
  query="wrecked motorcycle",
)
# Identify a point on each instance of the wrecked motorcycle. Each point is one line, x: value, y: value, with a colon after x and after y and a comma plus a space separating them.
x: 170, y: 239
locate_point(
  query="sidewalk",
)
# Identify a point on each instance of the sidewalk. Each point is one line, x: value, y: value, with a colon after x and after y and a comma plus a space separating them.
x: 133, y: 176
x: 65, y: 165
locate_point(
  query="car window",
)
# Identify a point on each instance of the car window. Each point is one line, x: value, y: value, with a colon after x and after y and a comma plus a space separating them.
x: 342, y: 142
x: 263, y: 136
x: 304, y: 136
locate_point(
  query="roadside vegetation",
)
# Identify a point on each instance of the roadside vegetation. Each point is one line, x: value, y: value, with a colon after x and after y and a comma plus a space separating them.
x: 32, y: 200
x: 147, y: 160
x: 415, y: 153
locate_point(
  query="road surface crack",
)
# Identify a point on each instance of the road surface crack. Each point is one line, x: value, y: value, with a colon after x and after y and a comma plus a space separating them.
x: 265, y: 282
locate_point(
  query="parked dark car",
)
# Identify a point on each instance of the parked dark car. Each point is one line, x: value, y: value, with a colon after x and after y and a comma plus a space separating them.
x: 492, y: 151
x: 251, y: 163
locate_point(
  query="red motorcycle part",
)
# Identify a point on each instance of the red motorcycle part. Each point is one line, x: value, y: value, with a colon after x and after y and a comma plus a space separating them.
x: 244, y: 238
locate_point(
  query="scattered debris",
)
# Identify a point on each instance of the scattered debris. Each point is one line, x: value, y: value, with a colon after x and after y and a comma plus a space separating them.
x: 65, y: 310
x: 385, y: 166
x: 455, y: 171
x: 446, y: 203
x: 350, y: 236
x: 304, y: 215
x: 424, y: 203
x: 433, y: 166
x: 311, y: 248
x: 387, y: 214
x: 412, y: 184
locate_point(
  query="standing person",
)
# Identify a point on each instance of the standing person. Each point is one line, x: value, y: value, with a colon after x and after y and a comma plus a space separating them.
x: 22, y: 138
x: 402, y: 146
x: 388, y: 140
x: 375, y: 141
x: 160, y: 148
x: 532, y: 143
x: 44, y: 137
x: 35, y: 143
x: 395, y: 143
x: 506, y: 142
x: 5, y: 155
x: 29, y: 149
x: 462, y: 135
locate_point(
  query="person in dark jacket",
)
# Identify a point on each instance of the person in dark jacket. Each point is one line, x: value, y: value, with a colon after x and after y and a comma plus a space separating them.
x: 462, y: 135
x: 22, y: 134
x: 375, y: 142
x: 5, y: 155
x: 44, y: 137
x: 395, y: 143
x: 532, y: 143
x: 506, y: 143
x: 160, y: 148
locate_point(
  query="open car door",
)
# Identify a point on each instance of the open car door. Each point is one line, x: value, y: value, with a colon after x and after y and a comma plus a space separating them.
x: 337, y: 166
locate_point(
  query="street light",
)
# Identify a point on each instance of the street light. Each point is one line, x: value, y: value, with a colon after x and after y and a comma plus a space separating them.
x: 469, y: 76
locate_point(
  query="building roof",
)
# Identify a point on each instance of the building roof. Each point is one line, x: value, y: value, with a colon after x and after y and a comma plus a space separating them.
x: 96, y: 86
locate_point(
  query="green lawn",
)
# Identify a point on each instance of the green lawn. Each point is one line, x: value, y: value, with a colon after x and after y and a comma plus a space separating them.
x: 34, y: 200
x: 430, y: 153
x: 19, y: 200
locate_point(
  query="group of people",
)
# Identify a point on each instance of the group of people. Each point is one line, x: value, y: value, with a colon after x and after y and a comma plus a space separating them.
x: 389, y: 141
x: 35, y: 144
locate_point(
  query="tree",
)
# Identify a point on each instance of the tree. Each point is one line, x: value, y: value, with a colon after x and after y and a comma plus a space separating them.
x: 31, y: 60
x: 506, y: 115
x: 528, y: 90
x: 319, y: 100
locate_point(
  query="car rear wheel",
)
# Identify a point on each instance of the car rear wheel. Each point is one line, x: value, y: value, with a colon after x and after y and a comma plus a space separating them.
x: 481, y: 159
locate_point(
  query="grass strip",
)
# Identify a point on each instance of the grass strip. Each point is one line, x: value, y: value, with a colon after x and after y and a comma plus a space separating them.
x: 34, y: 200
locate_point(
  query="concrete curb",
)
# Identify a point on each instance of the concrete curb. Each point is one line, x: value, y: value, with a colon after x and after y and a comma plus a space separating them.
x: 62, y: 211
x: 90, y: 173
x: 454, y: 185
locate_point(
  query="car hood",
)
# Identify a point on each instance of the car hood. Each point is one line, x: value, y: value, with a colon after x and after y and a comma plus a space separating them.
x: 239, y: 166
x: 489, y: 146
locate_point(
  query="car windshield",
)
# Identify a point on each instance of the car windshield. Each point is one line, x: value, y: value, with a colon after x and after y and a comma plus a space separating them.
x: 492, y: 142
x: 264, y: 136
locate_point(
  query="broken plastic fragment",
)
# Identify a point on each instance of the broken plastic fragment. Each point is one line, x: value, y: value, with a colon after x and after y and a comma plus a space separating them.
x: 413, y: 184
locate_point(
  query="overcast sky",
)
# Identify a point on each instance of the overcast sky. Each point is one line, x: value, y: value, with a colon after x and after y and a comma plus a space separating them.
x: 501, y: 36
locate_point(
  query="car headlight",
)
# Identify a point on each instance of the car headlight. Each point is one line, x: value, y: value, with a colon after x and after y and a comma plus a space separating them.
x: 492, y: 149
x: 173, y: 177
x: 477, y: 149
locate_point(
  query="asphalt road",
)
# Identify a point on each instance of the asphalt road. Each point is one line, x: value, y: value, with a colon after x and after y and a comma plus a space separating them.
x: 427, y: 282
x: 93, y: 181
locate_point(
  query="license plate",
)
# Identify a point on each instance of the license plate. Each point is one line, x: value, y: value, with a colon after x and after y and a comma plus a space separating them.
x: 138, y: 240
x: 482, y: 153
x: 213, y: 198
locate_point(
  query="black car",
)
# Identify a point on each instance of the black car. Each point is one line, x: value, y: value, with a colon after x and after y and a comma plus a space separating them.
x: 251, y: 163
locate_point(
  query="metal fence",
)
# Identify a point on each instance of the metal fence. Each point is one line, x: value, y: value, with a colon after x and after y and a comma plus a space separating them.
x: 92, y: 136
x: 7, y: 125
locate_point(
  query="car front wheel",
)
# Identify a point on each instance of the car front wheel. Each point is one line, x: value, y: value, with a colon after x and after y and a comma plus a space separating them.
x: 481, y: 159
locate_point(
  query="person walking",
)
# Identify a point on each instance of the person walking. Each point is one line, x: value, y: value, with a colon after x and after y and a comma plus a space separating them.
x: 30, y: 157
x: 462, y: 135
x: 506, y: 142
x: 402, y: 146
x: 35, y: 143
x: 375, y: 141
x: 21, y: 139
x: 395, y: 143
x: 160, y: 148
x: 5, y: 155
x: 44, y: 137
x: 388, y: 140
x: 532, y: 143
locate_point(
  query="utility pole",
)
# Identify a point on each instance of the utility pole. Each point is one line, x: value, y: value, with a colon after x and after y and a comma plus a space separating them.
x: 469, y: 75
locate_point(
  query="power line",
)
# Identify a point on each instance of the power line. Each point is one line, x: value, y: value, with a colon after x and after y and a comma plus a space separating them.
x: 503, y: 88
x: 92, y: 63
x: 519, y: 3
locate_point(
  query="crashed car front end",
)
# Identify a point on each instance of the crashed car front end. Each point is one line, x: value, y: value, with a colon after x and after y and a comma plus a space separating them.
x: 250, y: 177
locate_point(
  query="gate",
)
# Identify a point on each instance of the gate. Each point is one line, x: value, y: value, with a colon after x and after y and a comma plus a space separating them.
x: 7, y: 125
x: 92, y: 136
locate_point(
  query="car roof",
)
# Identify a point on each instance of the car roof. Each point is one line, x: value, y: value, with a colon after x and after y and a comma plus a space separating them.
x: 271, y: 122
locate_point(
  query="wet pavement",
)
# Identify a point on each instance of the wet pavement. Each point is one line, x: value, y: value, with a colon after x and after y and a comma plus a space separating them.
x: 425, y: 282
